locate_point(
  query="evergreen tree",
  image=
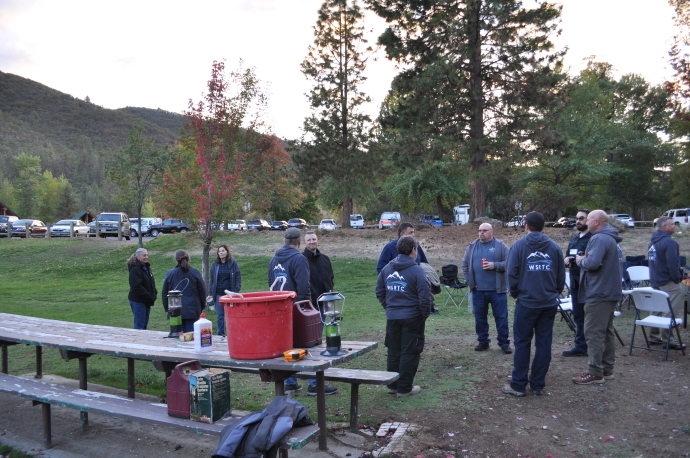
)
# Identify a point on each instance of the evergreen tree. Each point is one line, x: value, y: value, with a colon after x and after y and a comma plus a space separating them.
x: 336, y: 133
x: 478, y: 75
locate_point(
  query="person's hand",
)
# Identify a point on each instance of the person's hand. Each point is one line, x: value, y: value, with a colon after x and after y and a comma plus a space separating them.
x: 567, y: 261
x: 577, y: 258
x: 209, y: 298
x: 488, y: 266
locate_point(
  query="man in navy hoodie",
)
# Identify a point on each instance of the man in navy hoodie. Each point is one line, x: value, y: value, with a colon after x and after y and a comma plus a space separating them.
x: 665, y: 274
x: 403, y: 290
x: 389, y: 251
x: 536, y: 277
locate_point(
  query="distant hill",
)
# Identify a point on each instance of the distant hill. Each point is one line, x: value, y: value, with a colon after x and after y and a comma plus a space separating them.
x: 68, y: 134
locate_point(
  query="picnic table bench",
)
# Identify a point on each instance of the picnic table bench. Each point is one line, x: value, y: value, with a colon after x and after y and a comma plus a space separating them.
x: 47, y: 394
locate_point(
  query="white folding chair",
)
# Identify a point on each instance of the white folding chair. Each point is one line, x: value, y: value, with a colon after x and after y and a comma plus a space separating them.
x: 639, y: 276
x: 652, y: 300
x: 565, y: 306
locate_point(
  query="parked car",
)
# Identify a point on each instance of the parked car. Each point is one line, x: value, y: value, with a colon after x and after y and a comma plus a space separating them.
x: 389, y: 220
x: 62, y: 228
x: 144, y: 225
x: 565, y: 222
x: 258, y: 224
x: 516, y: 221
x: 679, y: 215
x: 169, y: 226
x: 356, y: 222
x: 4, y: 219
x: 237, y: 225
x: 434, y: 220
x: 328, y: 225
x: 279, y: 225
x: 625, y: 218
x: 299, y: 223
x: 36, y: 228
x: 108, y: 223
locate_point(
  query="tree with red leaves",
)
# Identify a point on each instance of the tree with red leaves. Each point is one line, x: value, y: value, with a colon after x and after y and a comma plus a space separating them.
x: 225, y: 127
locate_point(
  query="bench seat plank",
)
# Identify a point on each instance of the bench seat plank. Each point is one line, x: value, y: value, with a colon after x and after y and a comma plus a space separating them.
x: 136, y: 409
x: 335, y: 374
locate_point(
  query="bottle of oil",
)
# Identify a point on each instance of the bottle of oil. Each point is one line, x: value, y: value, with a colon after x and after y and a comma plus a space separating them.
x: 203, y: 330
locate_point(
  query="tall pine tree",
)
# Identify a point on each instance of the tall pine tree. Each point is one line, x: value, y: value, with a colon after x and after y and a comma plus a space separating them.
x: 481, y: 73
x: 336, y: 133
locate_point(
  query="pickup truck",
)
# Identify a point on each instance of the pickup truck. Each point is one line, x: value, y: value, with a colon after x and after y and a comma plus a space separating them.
x: 168, y: 226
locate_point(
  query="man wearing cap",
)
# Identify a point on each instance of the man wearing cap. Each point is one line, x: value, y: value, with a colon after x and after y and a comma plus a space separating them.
x: 578, y: 244
x: 600, y: 290
x: 484, y: 270
x: 390, y: 251
x: 665, y: 274
x: 536, y: 277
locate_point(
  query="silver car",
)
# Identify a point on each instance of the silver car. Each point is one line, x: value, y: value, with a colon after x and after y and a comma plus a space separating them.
x: 62, y: 228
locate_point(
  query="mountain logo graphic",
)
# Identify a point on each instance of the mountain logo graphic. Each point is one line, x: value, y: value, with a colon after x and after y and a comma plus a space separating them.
x: 539, y: 261
x: 397, y: 280
x: 278, y: 267
x: 539, y: 254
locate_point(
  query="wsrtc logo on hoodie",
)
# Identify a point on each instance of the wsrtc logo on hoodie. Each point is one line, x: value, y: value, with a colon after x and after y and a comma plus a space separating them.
x: 538, y: 261
x: 279, y: 271
x: 395, y: 282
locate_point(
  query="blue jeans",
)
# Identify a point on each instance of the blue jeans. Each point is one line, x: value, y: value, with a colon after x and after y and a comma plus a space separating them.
x: 528, y: 322
x: 499, y: 308
x: 578, y: 316
x: 141, y: 314
x: 220, y: 315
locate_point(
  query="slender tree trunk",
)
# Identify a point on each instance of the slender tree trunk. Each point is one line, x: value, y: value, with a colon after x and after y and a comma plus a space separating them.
x: 205, y: 250
x: 478, y: 162
x: 347, y: 209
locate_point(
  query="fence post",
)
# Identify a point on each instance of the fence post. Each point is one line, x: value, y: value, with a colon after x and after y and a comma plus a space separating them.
x: 71, y: 229
x: 26, y: 228
x: 48, y: 231
x: 119, y: 231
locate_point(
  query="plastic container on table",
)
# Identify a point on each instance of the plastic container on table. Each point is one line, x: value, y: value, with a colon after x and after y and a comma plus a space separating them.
x: 259, y: 325
x: 177, y: 387
x: 203, y: 334
x: 306, y: 325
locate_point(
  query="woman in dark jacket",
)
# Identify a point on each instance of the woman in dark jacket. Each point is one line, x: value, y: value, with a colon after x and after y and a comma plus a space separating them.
x: 142, y: 288
x: 225, y: 274
x: 188, y: 280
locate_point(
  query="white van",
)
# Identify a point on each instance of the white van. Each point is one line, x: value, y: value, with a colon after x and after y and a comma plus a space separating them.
x: 679, y: 215
x: 356, y: 222
x: 389, y: 220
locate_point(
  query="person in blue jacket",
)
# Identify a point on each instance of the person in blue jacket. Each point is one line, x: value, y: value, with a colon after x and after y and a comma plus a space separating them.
x: 403, y: 290
x: 225, y: 274
x: 188, y: 280
x: 390, y: 251
x: 536, y: 277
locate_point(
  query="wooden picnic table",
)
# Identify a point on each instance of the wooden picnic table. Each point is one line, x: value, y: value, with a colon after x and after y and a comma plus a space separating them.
x: 79, y: 340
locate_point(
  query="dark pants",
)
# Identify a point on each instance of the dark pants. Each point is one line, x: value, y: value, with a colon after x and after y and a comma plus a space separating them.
x: 141, y: 314
x: 578, y: 315
x: 188, y: 325
x: 499, y: 309
x: 528, y: 322
x: 405, y: 342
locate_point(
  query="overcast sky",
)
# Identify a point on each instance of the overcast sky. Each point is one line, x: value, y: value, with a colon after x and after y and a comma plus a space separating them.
x: 158, y: 53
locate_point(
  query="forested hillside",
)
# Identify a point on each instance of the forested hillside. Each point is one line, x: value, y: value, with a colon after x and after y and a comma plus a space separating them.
x: 67, y: 133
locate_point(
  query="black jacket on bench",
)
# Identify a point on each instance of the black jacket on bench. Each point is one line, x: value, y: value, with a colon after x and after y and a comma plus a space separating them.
x: 252, y: 436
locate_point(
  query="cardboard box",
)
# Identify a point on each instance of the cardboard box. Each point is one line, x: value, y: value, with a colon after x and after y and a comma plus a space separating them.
x: 209, y: 392
x: 186, y: 336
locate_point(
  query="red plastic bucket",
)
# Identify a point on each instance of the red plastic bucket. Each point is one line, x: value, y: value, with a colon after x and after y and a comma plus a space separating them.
x: 259, y: 325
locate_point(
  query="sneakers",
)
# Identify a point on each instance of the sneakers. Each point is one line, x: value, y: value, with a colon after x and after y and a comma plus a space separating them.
x: 574, y: 352
x: 675, y: 346
x: 483, y: 346
x: 328, y: 390
x: 415, y: 390
x: 507, y: 389
x: 392, y: 391
x: 538, y: 392
x: 608, y: 376
x: 656, y: 341
x: 587, y: 379
x: 507, y: 350
x: 289, y: 389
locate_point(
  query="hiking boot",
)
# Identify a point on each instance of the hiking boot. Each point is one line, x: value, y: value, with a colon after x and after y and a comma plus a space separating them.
x: 483, y: 346
x: 587, y: 379
x: 507, y: 350
x: 289, y: 389
x: 609, y: 376
x: 538, y: 392
x: 328, y: 390
x: 415, y: 390
x: 507, y: 389
x: 675, y: 346
x: 574, y: 352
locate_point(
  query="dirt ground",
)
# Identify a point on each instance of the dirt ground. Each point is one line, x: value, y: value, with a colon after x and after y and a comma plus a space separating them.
x: 643, y: 412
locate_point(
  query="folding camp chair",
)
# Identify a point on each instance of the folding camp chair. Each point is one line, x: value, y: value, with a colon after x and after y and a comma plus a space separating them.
x: 454, y: 288
x: 565, y: 306
x: 652, y: 300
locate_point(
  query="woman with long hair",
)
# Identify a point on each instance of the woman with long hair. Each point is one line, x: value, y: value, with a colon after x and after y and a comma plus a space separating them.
x: 187, y: 279
x: 225, y: 274
x: 142, y: 287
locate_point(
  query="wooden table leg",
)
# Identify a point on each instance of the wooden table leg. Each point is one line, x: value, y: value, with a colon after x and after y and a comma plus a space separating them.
x: 39, y: 362
x: 130, y: 378
x: 321, y: 409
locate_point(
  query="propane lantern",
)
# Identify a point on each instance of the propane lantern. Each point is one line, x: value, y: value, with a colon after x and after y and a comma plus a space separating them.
x: 332, y: 303
x: 175, y: 312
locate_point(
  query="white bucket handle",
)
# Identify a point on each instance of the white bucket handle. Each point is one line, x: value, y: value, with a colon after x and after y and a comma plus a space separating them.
x: 232, y: 293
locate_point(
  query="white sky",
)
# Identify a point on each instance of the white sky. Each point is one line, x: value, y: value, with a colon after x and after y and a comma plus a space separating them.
x: 158, y: 53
